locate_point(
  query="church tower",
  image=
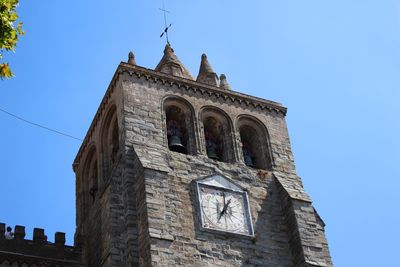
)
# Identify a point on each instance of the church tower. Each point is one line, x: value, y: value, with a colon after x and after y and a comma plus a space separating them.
x: 178, y: 171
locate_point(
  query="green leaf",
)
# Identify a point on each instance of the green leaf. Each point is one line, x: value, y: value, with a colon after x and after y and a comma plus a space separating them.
x: 9, y: 33
x: 5, y: 71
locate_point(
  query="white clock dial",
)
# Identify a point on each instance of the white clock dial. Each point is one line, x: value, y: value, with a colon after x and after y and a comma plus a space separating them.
x: 223, y: 210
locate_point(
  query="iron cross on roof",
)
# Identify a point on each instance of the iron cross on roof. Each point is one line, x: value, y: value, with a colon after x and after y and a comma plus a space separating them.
x: 165, y: 24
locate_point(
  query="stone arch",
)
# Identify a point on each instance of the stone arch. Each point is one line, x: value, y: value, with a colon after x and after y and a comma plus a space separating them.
x: 217, y: 130
x: 179, y: 124
x: 110, y: 143
x: 255, y: 142
x: 90, y: 180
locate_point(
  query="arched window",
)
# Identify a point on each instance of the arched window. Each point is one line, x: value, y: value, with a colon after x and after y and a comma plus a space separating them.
x: 90, y: 181
x: 217, y: 135
x: 93, y: 180
x: 110, y: 142
x: 179, y: 125
x: 255, y: 143
x: 114, y: 142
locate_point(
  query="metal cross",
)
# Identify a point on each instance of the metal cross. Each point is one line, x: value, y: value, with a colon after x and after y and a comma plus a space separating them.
x: 165, y: 23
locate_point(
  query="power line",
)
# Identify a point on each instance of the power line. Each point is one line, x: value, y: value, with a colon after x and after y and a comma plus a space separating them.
x: 38, y: 125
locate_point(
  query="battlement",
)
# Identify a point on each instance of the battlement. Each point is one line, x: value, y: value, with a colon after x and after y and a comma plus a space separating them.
x: 38, y: 249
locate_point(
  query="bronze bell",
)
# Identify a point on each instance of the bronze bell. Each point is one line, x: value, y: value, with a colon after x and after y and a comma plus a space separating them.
x: 175, y: 144
x: 248, y: 160
x: 212, y: 153
x: 211, y: 148
x: 247, y: 156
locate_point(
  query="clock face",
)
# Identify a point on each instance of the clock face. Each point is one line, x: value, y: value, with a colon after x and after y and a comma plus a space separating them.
x: 224, y: 209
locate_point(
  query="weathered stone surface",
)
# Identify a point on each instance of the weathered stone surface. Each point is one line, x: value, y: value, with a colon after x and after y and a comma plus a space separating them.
x: 20, y: 252
x: 153, y: 190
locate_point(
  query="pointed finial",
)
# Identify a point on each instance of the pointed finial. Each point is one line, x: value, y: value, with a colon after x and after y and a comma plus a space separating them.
x: 206, y: 73
x: 205, y: 65
x: 168, y: 51
x: 170, y: 64
x: 224, y: 83
x: 131, y: 58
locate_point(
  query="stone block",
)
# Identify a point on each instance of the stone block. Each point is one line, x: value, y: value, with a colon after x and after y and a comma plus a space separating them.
x: 59, y: 238
x: 38, y: 235
x: 19, y: 232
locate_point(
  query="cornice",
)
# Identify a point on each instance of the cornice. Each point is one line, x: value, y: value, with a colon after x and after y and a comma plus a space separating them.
x: 204, y: 89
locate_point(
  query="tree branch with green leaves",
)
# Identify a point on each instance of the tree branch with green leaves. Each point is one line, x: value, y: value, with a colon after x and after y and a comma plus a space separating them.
x: 9, y: 33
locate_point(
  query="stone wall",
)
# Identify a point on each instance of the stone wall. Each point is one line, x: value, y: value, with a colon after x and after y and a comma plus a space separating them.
x: 37, y: 252
x: 145, y: 212
x: 102, y: 232
x: 164, y: 194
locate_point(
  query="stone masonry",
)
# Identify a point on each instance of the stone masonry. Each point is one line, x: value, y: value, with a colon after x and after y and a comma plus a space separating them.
x: 144, y: 210
x: 37, y: 252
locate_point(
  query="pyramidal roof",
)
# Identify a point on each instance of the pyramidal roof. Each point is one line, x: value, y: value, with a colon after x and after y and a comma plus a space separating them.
x: 170, y: 64
x: 206, y: 73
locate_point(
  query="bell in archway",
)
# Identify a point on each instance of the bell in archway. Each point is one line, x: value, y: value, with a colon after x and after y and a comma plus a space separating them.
x: 212, y: 153
x: 247, y: 156
x: 248, y: 160
x: 175, y: 144
x: 174, y: 131
x: 211, y: 146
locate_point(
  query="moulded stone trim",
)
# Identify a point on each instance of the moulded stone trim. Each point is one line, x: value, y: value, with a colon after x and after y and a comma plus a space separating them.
x: 211, y: 90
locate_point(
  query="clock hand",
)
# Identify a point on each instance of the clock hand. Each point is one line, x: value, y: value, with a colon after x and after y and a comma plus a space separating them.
x: 225, y: 208
x: 235, y: 217
x: 218, y: 211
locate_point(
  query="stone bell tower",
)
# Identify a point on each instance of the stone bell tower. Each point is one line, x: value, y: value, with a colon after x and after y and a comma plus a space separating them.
x: 177, y: 171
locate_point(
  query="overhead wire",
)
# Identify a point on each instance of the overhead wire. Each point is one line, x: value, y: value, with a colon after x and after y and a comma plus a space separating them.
x: 39, y: 125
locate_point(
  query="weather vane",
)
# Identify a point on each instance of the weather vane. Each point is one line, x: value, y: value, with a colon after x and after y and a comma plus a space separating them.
x: 165, y: 24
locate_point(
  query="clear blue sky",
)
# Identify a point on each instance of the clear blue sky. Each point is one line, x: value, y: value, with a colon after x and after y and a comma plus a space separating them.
x: 334, y: 64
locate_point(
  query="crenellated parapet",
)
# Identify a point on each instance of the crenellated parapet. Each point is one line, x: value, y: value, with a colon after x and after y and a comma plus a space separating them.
x: 19, y: 251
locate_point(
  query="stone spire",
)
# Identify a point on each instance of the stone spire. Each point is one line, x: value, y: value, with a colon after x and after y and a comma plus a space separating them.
x: 131, y: 58
x: 223, y: 84
x: 170, y: 64
x: 206, y: 73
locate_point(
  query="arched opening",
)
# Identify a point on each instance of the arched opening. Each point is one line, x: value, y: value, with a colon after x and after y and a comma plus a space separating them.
x: 179, y: 126
x: 176, y: 129
x: 93, y: 181
x: 110, y: 142
x: 90, y: 181
x: 249, y: 137
x: 217, y: 135
x: 114, y: 142
x: 213, y: 134
x: 255, y: 144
